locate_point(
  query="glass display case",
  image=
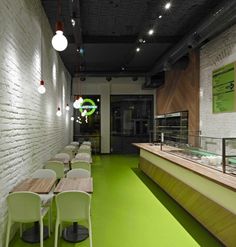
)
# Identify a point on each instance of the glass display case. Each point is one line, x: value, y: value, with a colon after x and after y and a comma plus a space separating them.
x: 216, y: 153
x: 173, y: 125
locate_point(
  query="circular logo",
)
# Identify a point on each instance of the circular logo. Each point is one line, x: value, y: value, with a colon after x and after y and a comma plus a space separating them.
x: 89, y: 106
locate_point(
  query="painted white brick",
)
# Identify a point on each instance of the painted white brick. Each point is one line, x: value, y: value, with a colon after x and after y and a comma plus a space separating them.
x: 218, y: 52
x: 30, y: 131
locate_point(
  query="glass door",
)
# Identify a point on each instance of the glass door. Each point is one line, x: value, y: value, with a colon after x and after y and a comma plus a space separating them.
x: 131, y: 120
x: 87, y: 121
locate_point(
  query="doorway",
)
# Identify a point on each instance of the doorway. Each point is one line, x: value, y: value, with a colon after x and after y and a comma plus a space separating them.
x: 131, y: 121
x: 87, y: 123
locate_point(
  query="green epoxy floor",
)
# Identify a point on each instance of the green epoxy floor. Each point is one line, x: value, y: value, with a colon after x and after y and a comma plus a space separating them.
x: 129, y: 210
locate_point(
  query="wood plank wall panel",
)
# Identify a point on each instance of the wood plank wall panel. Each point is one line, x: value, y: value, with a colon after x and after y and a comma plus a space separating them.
x: 219, y: 221
x: 181, y: 91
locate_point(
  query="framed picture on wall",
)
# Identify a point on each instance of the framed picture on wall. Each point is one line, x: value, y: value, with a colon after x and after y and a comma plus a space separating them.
x: 223, y: 89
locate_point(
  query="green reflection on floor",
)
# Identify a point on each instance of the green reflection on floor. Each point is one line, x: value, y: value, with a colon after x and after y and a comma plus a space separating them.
x: 129, y: 210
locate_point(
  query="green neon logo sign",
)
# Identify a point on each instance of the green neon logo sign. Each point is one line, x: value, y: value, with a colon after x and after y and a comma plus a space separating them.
x: 90, y: 107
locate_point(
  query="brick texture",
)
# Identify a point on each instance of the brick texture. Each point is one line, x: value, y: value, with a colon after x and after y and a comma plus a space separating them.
x: 219, y: 52
x: 30, y: 131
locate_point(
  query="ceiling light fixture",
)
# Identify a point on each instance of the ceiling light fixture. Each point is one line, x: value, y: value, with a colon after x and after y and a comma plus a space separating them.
x: 41, y: 88
x: 144, y: 41
x: 72, y: 22
x: 78, y: 101
x: 151, y: 32
x: 67, y: 107
x: 59, y: 41
x: 160, y: 16
x: 167, y: 5
x: 58, y: 112
x: 72, y: 118
x: 138, y: 49
x: 140, y: 40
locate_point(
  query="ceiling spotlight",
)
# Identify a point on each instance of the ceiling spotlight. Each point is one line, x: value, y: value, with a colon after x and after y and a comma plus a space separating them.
x: 123, y: 68
x: 72, y: 22
x: 140, y: 40
x: 77, y: 49
x: 167, y: 5
x: 138, y: 49
x: 151, y: 32
x: 144, y: 41
x: 72, y: 118
x: 160, y: 16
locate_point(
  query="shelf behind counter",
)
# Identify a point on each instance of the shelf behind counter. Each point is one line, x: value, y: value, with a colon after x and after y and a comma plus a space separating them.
x: 209, y: 195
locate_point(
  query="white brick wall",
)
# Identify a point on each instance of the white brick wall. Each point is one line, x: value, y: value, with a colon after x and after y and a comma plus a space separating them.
x: 30, y: 131
x: 218, y: 52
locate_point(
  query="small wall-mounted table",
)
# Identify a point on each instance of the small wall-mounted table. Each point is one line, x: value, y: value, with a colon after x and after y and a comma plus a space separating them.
x: 36, y: 185
x: 39, y: 186
x: 81, y: 184
x: 75, y: 233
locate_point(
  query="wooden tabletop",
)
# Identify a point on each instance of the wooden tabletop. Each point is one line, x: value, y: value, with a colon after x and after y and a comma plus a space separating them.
x: 82, y: 184
x: 37, y: 185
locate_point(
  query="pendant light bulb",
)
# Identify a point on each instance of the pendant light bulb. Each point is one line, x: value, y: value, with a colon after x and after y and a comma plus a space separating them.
x: 83, y: 114
x: 58, y: 112
x: 59, y: 41
x: 67, y: 107
x: 76, y: 104
x: 80, y: 100
x: 41, y: 88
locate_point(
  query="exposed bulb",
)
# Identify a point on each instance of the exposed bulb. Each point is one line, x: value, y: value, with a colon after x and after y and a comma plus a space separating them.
x: 72, y: 118
x: 59, y: 41
x: 167, y: 5
x: 58, y: 112
x: 80, y: 100
x: 151, y: 32
x: 67, y: 107
x: 76, y: 104
x: 41, y: 88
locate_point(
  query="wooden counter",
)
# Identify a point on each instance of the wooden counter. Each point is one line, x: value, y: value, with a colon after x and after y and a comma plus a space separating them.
x: 209, y: 195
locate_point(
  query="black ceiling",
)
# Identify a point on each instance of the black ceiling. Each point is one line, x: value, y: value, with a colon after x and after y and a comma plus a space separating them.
x: 110, y: 30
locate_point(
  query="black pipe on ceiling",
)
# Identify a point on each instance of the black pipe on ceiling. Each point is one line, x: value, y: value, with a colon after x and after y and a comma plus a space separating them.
x: 222, y: 17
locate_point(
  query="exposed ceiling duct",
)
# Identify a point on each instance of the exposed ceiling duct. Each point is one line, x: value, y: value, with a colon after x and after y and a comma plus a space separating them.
x: 222, y: 17
x: 155, y: 81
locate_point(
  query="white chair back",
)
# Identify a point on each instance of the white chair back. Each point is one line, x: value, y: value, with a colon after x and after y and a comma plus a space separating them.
x: 44, y: 173
x: 78, y: 173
